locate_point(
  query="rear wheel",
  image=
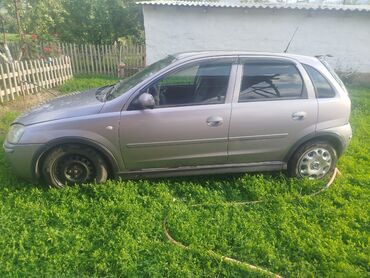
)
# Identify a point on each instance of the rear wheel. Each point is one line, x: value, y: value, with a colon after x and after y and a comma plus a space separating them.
x: 313, y: 160
x: 74, y: 164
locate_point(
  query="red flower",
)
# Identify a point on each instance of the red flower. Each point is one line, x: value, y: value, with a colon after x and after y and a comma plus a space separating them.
x: 47, y: 49
x: 34, y: 36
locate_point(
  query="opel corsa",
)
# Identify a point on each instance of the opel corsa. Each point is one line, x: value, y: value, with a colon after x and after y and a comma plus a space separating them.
x: 190, y: 113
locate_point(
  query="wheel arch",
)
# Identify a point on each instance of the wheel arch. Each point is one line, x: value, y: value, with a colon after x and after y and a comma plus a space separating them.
x: 334, y: 139
x: 102, y: 150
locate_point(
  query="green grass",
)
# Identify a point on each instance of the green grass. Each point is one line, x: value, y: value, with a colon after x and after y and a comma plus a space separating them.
x: 115, y: 229
x: 84, y: 82
x: 10, y: 37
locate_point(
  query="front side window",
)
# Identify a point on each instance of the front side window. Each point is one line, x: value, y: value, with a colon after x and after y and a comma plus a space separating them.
x: 127, y: 83
x: 198, y: 84
x: 270, y: 80
x: 322, y: 87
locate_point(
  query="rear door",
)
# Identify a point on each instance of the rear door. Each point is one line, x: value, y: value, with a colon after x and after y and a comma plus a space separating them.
x: 190, y: 121
x: 273, y: 107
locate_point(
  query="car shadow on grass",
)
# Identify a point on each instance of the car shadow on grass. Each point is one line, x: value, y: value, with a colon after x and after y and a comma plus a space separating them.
x: 234, y: 187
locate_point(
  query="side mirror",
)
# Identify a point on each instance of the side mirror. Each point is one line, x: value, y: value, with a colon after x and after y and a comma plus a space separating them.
x: 146, y: 100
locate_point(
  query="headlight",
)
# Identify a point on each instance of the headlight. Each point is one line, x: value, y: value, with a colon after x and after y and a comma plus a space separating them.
x: 15, y: 133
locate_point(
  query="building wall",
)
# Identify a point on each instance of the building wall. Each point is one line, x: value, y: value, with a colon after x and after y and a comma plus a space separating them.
x: 345, y: 35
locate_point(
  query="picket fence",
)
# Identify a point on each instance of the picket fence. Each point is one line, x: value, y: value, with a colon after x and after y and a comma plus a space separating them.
x: 99, y: 59
x: 30, y: 76
x: 115, y: 60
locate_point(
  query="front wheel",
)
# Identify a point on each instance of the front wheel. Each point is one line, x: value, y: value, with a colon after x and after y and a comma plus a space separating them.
x: 74, y: 164
x: 313, y: 160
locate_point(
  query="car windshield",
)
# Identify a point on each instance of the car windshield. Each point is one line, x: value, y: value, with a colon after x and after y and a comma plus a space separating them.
x: 126, y: 84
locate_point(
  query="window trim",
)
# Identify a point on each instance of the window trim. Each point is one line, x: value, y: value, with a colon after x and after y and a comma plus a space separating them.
x: 271, y: 60
x: 313, y: 83
x: 229, y: 91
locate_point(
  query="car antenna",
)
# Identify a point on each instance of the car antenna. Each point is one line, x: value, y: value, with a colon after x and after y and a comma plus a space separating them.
x: 291, y: 39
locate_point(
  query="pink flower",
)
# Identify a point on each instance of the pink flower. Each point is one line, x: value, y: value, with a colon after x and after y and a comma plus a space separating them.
x: 47, y: 49
x: 34, y: 37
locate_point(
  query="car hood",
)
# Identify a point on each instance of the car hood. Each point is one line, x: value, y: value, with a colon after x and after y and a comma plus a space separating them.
x: 66, y: 106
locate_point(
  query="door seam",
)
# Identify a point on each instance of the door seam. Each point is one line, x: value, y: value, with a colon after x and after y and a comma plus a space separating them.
x: 231, y: 110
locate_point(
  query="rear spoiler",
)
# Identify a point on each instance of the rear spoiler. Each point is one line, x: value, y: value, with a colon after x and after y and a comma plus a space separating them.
x: 323, y: 56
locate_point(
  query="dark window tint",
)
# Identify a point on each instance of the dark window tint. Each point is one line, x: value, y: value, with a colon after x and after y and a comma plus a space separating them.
x: 204, y: 83
x: 322, y: 86
x: 263, y: 81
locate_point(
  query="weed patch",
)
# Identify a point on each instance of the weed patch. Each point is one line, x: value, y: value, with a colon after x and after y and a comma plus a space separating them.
x: 84, y: 82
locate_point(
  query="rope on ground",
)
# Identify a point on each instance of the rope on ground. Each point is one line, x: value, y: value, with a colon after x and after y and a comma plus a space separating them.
x: 231, y: 260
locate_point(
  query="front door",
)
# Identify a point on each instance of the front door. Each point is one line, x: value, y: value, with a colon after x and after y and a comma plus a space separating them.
x: 190, y: 121
x: 272, y: 111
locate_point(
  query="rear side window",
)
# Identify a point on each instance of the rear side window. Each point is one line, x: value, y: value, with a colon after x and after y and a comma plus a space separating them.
x: 322, y: 86
x: 268, y: 81
x: 333, y: 73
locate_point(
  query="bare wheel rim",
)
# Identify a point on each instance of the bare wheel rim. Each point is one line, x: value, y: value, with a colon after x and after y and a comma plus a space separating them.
x: 73, y: 169
x: 315, y: 163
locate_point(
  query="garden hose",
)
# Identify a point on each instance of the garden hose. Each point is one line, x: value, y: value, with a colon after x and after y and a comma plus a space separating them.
x: 231, y: 260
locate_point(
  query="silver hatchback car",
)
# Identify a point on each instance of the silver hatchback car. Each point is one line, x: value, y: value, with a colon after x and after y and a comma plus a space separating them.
x: 191, y: 113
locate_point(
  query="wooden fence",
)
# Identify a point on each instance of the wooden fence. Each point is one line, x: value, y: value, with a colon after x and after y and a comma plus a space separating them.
x: 114, y: 60
x: 98, y: 59
x: 27, y: 77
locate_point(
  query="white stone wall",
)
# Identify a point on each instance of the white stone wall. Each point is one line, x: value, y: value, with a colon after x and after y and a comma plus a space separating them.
x: 345, y: 35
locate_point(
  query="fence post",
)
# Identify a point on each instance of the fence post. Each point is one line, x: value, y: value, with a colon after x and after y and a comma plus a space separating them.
x: 27, y: 77
x: 76, y: 60
x: 23, y: 78
x: 9, y: 96
x: 3, y: 92
x: 16, y: 86
x: 70, y: 53
x: 99, y: 59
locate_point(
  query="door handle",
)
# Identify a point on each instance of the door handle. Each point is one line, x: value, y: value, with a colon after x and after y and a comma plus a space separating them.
x: 299, y: 115
x: 215, y: 121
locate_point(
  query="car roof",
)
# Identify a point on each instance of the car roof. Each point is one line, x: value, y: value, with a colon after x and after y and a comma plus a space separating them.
x: 215, y: 53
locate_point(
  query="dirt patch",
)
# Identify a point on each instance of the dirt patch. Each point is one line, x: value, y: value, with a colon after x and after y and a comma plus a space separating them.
x: 11, y: 109
x: 23, y: 103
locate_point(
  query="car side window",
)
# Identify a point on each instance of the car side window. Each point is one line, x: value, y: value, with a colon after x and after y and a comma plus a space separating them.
x: 270, y: 80
x: 198, y: 84
x: 322, y: 86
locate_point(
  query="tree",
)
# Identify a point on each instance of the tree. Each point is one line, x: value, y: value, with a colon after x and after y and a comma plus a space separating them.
x: 79, y: 21
x: 41, y: 17
x: 100, y: 21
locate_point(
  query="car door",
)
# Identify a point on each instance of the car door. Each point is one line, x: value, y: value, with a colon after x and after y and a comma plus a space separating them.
x: 273, y: 107
x: 189, y: 123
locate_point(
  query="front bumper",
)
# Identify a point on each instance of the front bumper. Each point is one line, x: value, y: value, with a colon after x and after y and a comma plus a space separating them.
x: 22, y: 158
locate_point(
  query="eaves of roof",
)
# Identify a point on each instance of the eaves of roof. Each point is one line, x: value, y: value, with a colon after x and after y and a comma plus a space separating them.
x: 245, y: 4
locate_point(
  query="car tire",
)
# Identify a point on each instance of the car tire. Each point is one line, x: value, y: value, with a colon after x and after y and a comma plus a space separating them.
x: 313, y: 160
x: 74, y: 164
